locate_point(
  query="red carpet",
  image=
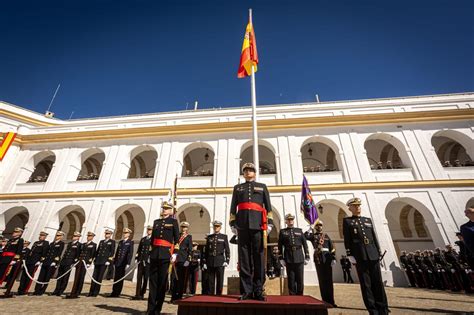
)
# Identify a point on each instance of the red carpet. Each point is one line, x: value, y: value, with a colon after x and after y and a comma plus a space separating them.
x: 230, y: 305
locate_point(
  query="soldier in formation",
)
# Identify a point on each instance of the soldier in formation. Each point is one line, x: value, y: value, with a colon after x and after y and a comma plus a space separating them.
x: 194, y: 265
x: 122, y: 260
x: 33, y: 261
x: 104, y: 257
x: 142, y: 258
x: 87, y: 255
x: 70, y: 257
x: 183, y: 258
x: 11, y: 254
x: 49, y: 263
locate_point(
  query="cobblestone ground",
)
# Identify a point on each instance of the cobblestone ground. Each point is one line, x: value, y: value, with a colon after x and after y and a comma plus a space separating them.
x: 348, y: 298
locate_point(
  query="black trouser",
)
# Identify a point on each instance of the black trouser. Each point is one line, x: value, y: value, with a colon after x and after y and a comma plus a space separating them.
x: 179, y: 284
x: 295, y: 278
x: 371, y: 285
x: 142, y: 278
x: 110, y: 272
x: 251, y: 261
x: 347, y: 276
x: 25, y: 282
x: 61, y: 284
x: 98, y: 275
x: 4, y: 269
x: 119, y: 273
x: 326, y: 286
x: 78, y: 280
x: 411, y: 278
x: 158, y: 280
x: 45, y: 275
x: 205, y: 290
x: 193, y: 278
x: 216, y: 280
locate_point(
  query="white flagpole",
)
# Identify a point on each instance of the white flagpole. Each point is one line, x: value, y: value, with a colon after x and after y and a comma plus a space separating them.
x: 254, y: 117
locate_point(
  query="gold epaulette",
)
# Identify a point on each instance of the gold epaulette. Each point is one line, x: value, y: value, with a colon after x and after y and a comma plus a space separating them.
x: 176, y: 247
x: 270, y: 215
x: 16, y: 257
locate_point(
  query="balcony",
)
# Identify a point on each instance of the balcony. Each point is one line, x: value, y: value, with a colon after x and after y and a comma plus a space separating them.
x: 465, y: 172
x: 81, y: 185
x: 29, y: 187
x: 136, y: 183
x: 267, y: 179
x: 195, y: 181
x: 324, y: 177
x: 393, y: 175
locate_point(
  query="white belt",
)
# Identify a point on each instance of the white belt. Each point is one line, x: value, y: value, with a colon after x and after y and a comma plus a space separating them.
x: 324, y: 249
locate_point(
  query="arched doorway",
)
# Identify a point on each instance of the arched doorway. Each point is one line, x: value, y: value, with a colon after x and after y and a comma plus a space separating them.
x: 142, y: 162
x: 130, y: 216
x: 198, y: 218
x: 451, y: 148
x: 71, y: 219
x: 277, y: 224
x: 92, y: 161
x: 386, y: 152
x: 266, y: 155
x: 14, y: 217
x: 319, y: 155
x: 43, y: 164
x: 198, y: 160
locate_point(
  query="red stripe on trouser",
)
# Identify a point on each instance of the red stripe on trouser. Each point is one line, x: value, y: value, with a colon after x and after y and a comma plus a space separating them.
x: 31, y: 281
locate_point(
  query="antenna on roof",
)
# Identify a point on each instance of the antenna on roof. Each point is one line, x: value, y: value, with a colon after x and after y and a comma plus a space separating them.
x: 317, y: 98
x: 195, y: 105
x: 70, y: 116
x: 187, y: 104
x: 48, y: 113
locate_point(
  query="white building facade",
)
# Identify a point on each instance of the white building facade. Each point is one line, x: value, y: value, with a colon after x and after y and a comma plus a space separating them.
x: 409, y: 159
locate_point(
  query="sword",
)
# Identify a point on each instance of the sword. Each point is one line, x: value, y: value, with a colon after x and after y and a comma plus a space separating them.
x: 382, y: 256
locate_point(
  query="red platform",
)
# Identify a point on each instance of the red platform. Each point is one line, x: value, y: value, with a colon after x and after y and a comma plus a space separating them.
x: 231, y: 305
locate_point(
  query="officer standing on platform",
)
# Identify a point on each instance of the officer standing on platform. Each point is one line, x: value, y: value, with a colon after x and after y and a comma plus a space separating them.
x: 363, y: 250
x: 251, y: 216
x: 49, y: 263
x: 104, y: 256
x: 291, y: 244
x: 11, y: 253
x: 217, y: 257
x: 33, y: 261
x: 70, y: 257
x: 324, y: 258
x: 194, y: 268
x: 141, y: 258
x: 164, y: 241
x: 87, y: 254
x: 185, y: 244
x: 122, y: 260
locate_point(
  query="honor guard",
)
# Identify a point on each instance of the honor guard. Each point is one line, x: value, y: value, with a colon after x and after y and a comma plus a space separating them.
x: 346, y: 269
x: 104, y: 257
x: 70, y: 257
x: 204, y: 272
x: 11, y: 253
x: 185, y: 244
x: 324, y: 259
x: 216, y: 258
x: 87, y: 255
x: 122, y: 260
x: 193, y: 269
x: 294, y: 254
x: 164, y: 241
x: 33, y: 260
x: 16, y: 268
x: 251, y: 219
x: 363, y: 250
x: 49, y: 262
x: 142, y: 259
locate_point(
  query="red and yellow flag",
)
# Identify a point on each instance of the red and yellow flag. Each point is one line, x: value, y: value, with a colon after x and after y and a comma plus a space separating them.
x: 249, y: 54
x: 6, y: 143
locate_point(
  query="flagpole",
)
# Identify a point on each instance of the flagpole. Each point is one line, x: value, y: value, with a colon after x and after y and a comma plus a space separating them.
x: 256, y: 160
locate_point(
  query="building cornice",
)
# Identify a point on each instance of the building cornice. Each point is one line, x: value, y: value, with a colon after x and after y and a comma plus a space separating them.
x: 246, y: 126
x: 317, y: 189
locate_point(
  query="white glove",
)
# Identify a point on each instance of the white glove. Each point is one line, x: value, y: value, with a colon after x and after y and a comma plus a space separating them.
x: 107, y: 263
x: 186, y: 263
x: 306, y: 261
x: 333, y: 262
x: 225, y: 264
x: 310, y: 230
x: 88, y: 266
x: 269, y: 229
x: 38, y: 263
x: 173, y: 258
x: 53, y: 264
x: 453, y: 270
x: 204, y: 267
x: 352, y: 260
x: 12, y: 262
x: 282, y: 263
x: 234, y: 230
x: 126, y: 267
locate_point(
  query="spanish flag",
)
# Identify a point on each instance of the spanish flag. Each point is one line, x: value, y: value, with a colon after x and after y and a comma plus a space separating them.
x: 6, y: 143
x: 249, y: 54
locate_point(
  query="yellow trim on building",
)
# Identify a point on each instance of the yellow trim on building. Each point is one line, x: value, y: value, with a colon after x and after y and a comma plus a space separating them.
x: 23, y: 118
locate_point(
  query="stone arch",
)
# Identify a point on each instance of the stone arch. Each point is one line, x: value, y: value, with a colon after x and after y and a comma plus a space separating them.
x: 320, y: 154
x: 92, y: 161
x: 470, y: 203
x: 12, y: 218
x: 266, y: 154
x: 384, y: 148
x: 142, y: 162
x: 333, y: 212
x: 198, y: 218
x: 71, y: 219
x: 454, y: 147
x: 198, y: 160
x: 129, y: 216
x: 43, y: 164
x: 277, y: 225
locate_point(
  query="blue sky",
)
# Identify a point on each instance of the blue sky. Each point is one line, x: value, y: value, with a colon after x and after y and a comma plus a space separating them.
x: 127, y: 57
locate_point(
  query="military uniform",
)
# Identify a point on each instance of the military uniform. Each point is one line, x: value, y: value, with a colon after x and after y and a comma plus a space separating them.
x: 407, y: 267
x: 164, y: 241
x: 183, y: 258
x: 70, y: 257
x: 123, y: 258
x: 11, y: 253
x: 361, y: 243
x: 16, y: 268
x: 142, y: 260
x: 458, y: 271
x: 346, y: 269
x: 216, y: 258
x: 467, y: 232
x: 194, y: 270
x: 291, y: 244
x: 87, y: 255
x: 49, y: 265
x: 32, y: 260
x: 273, y: 265
x: 205, y: 290
x: 251, y: 214
x: 324, y: 255
x: 104, y: 254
